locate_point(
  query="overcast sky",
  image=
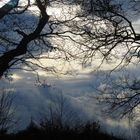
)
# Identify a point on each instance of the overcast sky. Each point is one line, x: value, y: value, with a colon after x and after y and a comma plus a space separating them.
x: 31, y: 98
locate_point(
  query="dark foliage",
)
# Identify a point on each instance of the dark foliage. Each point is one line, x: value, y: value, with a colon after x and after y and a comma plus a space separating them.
x: 90, y: 131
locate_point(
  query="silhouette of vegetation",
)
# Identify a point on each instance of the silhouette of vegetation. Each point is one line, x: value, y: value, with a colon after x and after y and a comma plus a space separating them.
x: 87, y: 131
x: 94, y: 27
x: 58, y: 123
x: 90, y: 29
x: 7, y: 111
x: 121, y: 97
x: 60, y: 113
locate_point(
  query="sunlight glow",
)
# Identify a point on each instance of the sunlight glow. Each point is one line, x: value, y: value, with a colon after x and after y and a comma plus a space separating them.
x: 16, y: 77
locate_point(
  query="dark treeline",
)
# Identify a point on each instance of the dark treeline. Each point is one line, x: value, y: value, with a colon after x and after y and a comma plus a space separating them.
x: 60, y: 122
x: 89, y: 131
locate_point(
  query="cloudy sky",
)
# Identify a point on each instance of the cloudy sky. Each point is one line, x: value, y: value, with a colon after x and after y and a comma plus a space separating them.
x: 32, y: 97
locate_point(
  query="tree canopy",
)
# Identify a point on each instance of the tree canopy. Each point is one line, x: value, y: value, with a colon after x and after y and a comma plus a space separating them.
x: 100, y: 28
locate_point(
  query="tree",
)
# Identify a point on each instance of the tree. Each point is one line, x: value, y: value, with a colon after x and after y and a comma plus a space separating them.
x: 121, y: 97
x: 94, y: 27
x: 7, y: 111
x: 8, y: 7
x: 60, y: 114
x: 87, y: 30
x: 115, y: 38
x: 19, y: 46
x: 119, y: 40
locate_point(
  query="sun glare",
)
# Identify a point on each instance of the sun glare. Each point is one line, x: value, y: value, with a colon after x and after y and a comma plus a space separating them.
x: 16, y: 77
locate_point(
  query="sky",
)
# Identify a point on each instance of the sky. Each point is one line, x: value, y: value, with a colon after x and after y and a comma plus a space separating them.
x: 32, y: 97
x: 2, y: 2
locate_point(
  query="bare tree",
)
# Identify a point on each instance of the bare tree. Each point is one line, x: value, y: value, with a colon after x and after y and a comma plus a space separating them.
x: 18, y: 47
x: 60, y: 114
x: 121, y: 97
x: 95, y: 28
x: 114, y: 37
x: 8, y: 7
x: 7, y: 111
